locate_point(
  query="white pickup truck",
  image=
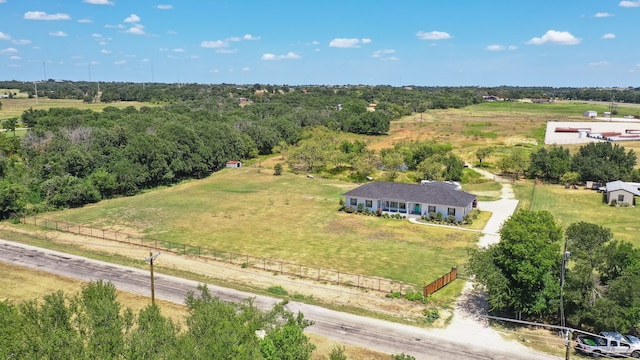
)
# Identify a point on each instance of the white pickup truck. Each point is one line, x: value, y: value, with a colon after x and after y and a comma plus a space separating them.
x: 608, y: 346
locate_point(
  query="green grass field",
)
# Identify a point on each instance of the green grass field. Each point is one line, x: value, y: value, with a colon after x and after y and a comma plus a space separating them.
x: 13, y: 108
x: 288, y: 217
x: 570, y: 206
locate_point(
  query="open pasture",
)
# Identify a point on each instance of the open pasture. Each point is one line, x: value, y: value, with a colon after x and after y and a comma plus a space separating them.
x: 13, y: 108
x: 287, y: 217
x: 490, y: 124
x: 569, y: 206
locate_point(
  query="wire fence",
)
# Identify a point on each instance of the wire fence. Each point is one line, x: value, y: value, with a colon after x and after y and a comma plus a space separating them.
x: 244, y: 260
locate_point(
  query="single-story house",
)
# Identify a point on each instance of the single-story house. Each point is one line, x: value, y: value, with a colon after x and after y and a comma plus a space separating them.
x: 412, y: 199
x: 622, y: 192
x: 234, y: 164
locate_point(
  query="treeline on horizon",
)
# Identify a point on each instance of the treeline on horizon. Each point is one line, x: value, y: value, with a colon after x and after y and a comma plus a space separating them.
x: 417, y: 97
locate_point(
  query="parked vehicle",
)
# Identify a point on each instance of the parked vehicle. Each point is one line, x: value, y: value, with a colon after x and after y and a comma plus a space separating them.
x: 606, y: 344
x: 634, y: 340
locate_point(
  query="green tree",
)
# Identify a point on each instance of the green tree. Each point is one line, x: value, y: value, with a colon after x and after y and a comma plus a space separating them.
x: 521, y: 272
x: 604, y: 162
x: 277, y: 169
x: 483, y: 153
x: 10, y: 125
x: 337, y: 353
x: 393, y: 162
x: 549, y: 163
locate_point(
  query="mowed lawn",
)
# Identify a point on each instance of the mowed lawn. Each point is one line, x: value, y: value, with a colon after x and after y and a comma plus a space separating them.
x: 288, y: 217
x: 570, y: 206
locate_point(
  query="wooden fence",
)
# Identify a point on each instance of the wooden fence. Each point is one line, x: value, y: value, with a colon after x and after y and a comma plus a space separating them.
x: 441, y: 282
x: 244, y: 260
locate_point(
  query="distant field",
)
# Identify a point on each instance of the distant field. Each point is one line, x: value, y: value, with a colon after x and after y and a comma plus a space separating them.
x: 12, y: 108
x: 286, y: 217
x: 502, y: 125
x: 569, y: 206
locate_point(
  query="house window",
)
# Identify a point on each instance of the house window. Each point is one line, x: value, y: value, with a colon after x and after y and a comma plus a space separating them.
x: 394, y: 205
x: 451, y: 211
x: 353, y: 202
x: 431, y: 209
x: 403, y: 206
x: 368, y: 203
x: 621, y: 198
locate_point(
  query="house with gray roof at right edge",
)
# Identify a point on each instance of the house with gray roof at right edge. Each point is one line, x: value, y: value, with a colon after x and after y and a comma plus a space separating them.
x: 622, y: 192
x: 412, y: 199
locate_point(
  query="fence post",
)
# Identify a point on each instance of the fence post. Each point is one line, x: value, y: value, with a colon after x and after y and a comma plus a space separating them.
x: 338, y: 277
x: 56, y: 226
x: 280, y: 267
x: 318, y: 274
x: 358, y: 281
x: 264, y: 264
x: 378, y: 284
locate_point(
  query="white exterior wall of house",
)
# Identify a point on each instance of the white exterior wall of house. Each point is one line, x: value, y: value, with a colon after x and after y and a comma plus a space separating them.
x: 409, y: 207
x: 620, y: 196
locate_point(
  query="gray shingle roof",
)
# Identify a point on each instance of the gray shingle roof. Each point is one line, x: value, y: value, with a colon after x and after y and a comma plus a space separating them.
x: 621, y: 185
x: 438, y: 193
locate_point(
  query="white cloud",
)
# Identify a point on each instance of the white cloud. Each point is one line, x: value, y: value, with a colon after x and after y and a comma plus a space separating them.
x: 41, y: 15
x: 96, y: 35
x: 179, y: 50
x: 15, y: 57
x: 120, y: 62
x: 172, y: 32
x: 494, y: 48
x: 245, y: 69
x: 366, y: 40
x: 164, y: 7
x: 133, y: 18
x: 4, y: 36
x: 105, y: 51
x: 609, y: 36
x: 433, y: 35
x: 58, y: 33
x: 497, y: 47
x: 99, y: 2
x: 345, y: 43
x: 381, y: 53
x: 21, y: 42
x: 603, y: 15
x: 555, y: 37
x: 214, y: 44
x: 599, y: 63
x: 9, y: 51
x: 136, y: 29
x: 251, y: 37
x: 226, y: 51
x: 215, y: 71
x: 85, y: 21
x: 234, y: 38
x: 287, y: 56
x: 94, y: 62
x: 3, y: 1
x: 119, y: 26
x: 629, y: 4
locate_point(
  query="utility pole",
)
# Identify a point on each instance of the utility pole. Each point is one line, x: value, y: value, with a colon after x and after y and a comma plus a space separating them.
x: 35, y: 84
x: 150, y: 260
x: 567, y: 340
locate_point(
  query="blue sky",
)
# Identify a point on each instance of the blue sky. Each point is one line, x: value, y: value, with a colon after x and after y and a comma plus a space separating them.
x: 575, y: 43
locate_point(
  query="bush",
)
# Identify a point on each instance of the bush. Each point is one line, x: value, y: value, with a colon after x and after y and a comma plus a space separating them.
x: 277, y: 169
x: 360, y: 207
x: 337, y: 353
x: 402, y: 356
x: 614, y: 202
x: 278, y: 290
x: 431, y: 315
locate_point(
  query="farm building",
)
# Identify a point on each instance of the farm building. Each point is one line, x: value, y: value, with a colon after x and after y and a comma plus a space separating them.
x: 234, y: 164
x: 622, y: 192
x: 412, y: 199
x: 591, y: 114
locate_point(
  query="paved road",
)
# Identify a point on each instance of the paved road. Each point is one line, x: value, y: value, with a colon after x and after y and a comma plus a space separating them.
x: 369, y: 333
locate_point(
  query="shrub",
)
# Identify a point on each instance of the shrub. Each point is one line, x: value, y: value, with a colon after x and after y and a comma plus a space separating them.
x: 379, y: 212
x: 277, y: 169
x: 278, y: 290
x: 614, y: 202
x: 431, y: 315
x: 451, y: 219
x: 244, y: 265
x: 439, y: 216
x: 402, y: 356
x: 360, y: 207
x: 337, y: 353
